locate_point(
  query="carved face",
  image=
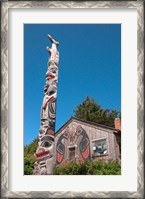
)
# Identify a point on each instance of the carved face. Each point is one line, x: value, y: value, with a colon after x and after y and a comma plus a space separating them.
x: 53, y: 69
x: 51, y: 91
x: 52, y: 72
x: 49, y: 83
x: 45, y: 148
x: 50, y: 95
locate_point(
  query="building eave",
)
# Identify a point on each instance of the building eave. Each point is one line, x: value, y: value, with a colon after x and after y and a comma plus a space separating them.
x: 88, y: 122
x: 64, y: 126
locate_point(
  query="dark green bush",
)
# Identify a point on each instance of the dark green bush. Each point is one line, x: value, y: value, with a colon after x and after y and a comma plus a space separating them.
x: 99, y: 167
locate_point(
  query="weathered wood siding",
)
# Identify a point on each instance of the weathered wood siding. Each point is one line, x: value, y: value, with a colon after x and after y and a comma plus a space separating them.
x: 87, y: 132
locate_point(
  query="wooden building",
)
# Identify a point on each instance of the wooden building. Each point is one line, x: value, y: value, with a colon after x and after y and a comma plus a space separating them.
x: 79, y: 140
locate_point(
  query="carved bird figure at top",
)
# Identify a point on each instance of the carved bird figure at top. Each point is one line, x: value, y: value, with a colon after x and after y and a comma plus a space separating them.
x: 53, y: 40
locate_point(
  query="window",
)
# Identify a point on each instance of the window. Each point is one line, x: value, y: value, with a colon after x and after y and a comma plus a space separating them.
x: 72, y: 154
x: 100, y: 147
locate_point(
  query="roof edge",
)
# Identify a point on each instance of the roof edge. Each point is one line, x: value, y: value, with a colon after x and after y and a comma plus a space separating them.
x: 88, y: 122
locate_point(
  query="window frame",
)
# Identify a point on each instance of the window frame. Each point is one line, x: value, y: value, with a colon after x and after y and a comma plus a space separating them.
x: 72, y: 147
x: 100, y: 140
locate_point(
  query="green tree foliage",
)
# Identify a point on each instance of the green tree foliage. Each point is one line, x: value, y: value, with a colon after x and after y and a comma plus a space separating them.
x: 28, y: 165
x: 99, y: 167
x: 91, y: 111
x: 29, y: 157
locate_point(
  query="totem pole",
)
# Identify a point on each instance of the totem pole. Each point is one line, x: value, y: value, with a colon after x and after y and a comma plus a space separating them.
x: 45, y: 150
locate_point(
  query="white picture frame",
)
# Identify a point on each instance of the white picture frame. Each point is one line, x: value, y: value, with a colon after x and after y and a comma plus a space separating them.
x: 5, y: 135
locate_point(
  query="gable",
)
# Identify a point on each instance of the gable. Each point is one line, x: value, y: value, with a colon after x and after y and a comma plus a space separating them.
x: 77, y: 138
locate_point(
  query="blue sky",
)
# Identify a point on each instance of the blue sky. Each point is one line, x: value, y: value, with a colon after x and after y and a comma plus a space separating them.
x: 90, y: 65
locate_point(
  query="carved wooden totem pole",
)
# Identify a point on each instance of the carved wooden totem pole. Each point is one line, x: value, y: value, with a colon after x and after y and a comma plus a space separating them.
x: 45, y: 150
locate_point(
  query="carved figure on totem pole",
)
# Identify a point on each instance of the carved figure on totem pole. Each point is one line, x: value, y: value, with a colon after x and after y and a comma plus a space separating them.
x: 45, y: 150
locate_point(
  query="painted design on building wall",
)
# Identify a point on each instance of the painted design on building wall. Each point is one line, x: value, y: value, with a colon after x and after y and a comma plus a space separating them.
x: 83, y: 142
x: 45, y: 150
x: 73, y: 146
x: 61, y: 146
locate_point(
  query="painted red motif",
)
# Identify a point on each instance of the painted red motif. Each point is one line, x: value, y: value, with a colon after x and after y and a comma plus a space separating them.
x: 85, y: 154
x: 82, y: 139
x: 59, y: 157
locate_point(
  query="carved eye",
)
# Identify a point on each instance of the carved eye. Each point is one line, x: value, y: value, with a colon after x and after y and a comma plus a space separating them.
x: 79, y: 131
x: 51, y: 92
x: 46, y: 144
x: 54, y: 71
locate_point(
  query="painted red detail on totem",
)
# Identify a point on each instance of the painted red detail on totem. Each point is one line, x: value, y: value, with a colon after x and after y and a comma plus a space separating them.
x: 42, y: 154
x: 50, y: 132
x: 51, y: 98
x: 41, y: 150
x: 50, y: 75
x: 85, y: 154
x: 59, y: 157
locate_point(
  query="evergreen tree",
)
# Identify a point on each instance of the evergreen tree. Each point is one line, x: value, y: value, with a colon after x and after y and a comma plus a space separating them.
x: 91, y: 111
x: 29, y: 158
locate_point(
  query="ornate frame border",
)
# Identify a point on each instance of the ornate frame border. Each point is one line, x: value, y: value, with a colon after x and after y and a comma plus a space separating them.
x: 139, y: 5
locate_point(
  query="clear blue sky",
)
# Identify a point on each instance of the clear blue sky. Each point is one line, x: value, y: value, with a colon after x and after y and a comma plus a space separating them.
x: 90, y: 65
